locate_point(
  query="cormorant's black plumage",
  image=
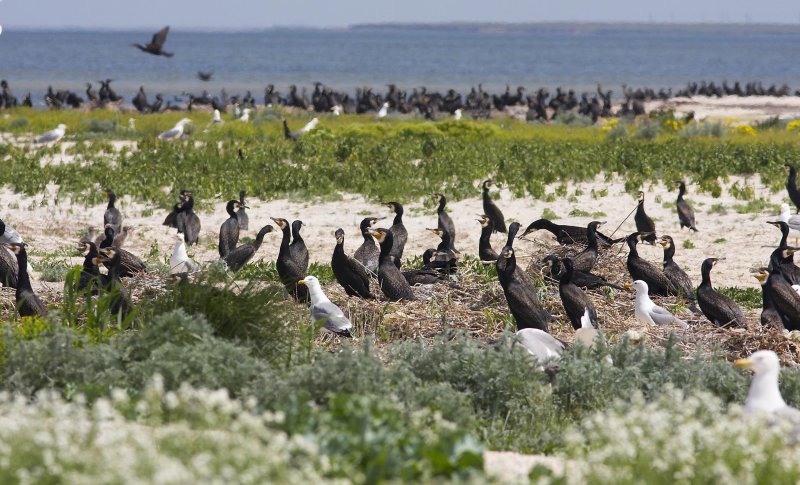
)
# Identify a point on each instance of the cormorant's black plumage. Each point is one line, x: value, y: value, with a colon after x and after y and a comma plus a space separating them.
x: 685, y: 211
x: 644, y: 223
x: 676, y: 275
x: 112, y: 215
x: 368, y: 253
x: 574, y: 300
x: 791, y: 186
x: 719, y: 309
x: 523, y: 303
x: 485, y: 251
x: 640, y: 269
x: 586, y: 259
x: 28, y: 303
x: 351, y: 274
x: 491, y: 210
x: 391, y: 280
x: 229, y: 230
x: 244, y: 253
x: 399, y: 232
x: 290, y: 270
x: 444, y: 221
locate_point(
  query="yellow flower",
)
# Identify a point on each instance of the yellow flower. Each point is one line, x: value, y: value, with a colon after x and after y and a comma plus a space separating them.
x: 793, y: 125
x: 745, y: 130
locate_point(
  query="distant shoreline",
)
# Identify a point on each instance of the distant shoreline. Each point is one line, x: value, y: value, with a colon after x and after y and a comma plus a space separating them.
x: 472, y: 27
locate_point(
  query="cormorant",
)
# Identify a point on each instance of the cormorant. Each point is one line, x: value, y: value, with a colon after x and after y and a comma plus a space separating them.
x: 586, y: 259
x: 641, y: 269
x: 444, y: 258
x: 187, y: 221
x: 574, y: 300
x: 444, y: 220
x: 289, y: 270
x: 368, y: 253
x: 28, y: 304
x: 241, y: 214
x: 644, y: 223
x: 426, y: 275
x: 323, y: 310
x: 399, y: 232
x: 391, y: 280
x: 172, y: 218
x: 130, y: 264
x: 581, y: 279
x: 121, y: 301
x: 205, y: 76
x: 648, y: 312
x: 351, y: 274
x: 244, y: 253
x: 783, y: 296
x: 523, y: 303
x: 718, y: 308
x: 485, y: 251
x: 112, y: 216
x: 491, y: 210
x: 229, y: 230
x: 156, y: 45
x: 90, y: 273
x: 788, y: 269
x: 769, y: 314
x: 566, y: 235
x: 676, y: 275
x: 297, y: 249
x: 685, y: 212
x: 791, y: 185
x: 8, y: 263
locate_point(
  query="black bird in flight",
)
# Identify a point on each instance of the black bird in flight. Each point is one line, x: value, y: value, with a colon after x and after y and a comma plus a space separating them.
x: 205, y: 76
x: 156, y: 46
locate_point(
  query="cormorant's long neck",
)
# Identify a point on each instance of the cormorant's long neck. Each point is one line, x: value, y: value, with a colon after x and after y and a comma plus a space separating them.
x: 669, y: 252
x: 445, y: 244
x: 386, y: 246
x: 640, y: 209
x: 338, y: 251
x: 189, y: 205
x: 366, y: 235
x: 486, y: 236
x: 632, y: 247
x: 549, y: 225
x: 511, y: 264
x: 512, y: 234
x: 231, y: 211
x: 442, y: 203
x: 259, y: 240
x: 296, y: 235
x: 113, y: 272
x: 486, y: 197
x: 111, y: 199
x: 285, y: 241
x: 23, y: 279
x: 706, y: 271
x: 591, y: 236
x: 784, y: 236
x: 681, y: 192
x: 792, y: 182
x: 286, y: 132
x: 566, y: 276
x: 398, y: 216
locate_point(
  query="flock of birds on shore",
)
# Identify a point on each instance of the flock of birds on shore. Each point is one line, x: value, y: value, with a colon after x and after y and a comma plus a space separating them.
x: 478, y: 103
x: 381, y: 256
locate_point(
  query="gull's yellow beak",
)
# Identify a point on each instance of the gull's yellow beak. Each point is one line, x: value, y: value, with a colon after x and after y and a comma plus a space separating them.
x: 627, y: 286
x: 301, y: 282
x: 743, y: 363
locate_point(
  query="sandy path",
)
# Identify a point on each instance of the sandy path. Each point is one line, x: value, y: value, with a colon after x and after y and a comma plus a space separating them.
x: 750, y: 108
x: 748, y: 241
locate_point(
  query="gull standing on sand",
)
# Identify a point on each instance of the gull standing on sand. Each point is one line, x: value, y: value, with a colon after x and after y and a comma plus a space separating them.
x: 175, y: 132
x: 322, y: 309
x: 52, y: 136
x: 383, y: 111
x: 180, y: 262
x: 764, y: 395
x: 648, y: 312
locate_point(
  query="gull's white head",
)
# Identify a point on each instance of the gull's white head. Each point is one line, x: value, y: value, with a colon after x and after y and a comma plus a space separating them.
x: 386, y: 104
x: 62, y: 127
x: 311, y: 282
x: 640, y: 287
x: 785, y: 211
x: 762, y: 362
x: 184, y: 121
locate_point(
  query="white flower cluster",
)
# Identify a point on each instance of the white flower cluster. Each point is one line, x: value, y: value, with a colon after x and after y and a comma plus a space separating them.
x: 678, y: 439
x: 189, y: 436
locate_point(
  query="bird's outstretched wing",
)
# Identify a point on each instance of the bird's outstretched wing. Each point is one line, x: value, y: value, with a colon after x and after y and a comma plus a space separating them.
x: 160, y: 37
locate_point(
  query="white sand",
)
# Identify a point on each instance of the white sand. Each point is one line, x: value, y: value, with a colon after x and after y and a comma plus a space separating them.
x: 744, y: 109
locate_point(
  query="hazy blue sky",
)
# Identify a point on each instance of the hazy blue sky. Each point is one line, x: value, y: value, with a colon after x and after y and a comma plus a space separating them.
x: 232, y: 14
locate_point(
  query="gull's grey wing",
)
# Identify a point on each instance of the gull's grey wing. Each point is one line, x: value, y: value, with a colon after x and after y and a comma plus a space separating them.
x: 169, y: 134
x: 540, y: 344
x: 47, y: 137
x: 332, y: 316
x: 663, y: 317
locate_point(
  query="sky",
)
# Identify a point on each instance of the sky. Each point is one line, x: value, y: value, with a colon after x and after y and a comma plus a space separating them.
x: 259, y: 14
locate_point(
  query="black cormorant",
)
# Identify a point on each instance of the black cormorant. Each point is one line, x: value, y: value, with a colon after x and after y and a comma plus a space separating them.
x: 350, y: 273
x: 241, y: 214
x: 368, y: 253
x: 130, y: 264
x: 491, y: 210
x: 188, y: 221
x: 90, y: 273
x: 769, y: 314
x: 426, y: 275
x: 485, y: 251
x: 244, y: 253
x: 586, y: 259
x: 718, y: 308
x: 640, y: 269
x: 581, y: 279
x: 444, y: 257
x: 566, y: 235
x: 644, y: 223
x: 685, y: 212
x: 784, y: 297
x: 523, y: 303
x: 121, y: 300
x: 8, y: 263
x: 677, y: 276
x: 229, y: 231
x: 399, y: 232
x: 789, y: 270
x: 112, y: 215
x: 575, y: 301
x: 444, y: 220
x: 391, y: 280
x: 298, y: 249
x: 791, y: 185
x: 156, y: 45
x: 28, y: 304
x: 289, y: 270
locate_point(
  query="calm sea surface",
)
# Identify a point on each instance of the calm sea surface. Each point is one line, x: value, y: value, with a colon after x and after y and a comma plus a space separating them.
x: 32, y: 60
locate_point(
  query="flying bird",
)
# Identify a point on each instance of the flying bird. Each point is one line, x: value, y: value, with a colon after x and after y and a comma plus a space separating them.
x: 205, y: 76
x: 156, y: 46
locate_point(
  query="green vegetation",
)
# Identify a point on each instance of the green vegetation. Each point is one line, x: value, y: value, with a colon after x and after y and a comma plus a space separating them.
x: 396, y: 159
